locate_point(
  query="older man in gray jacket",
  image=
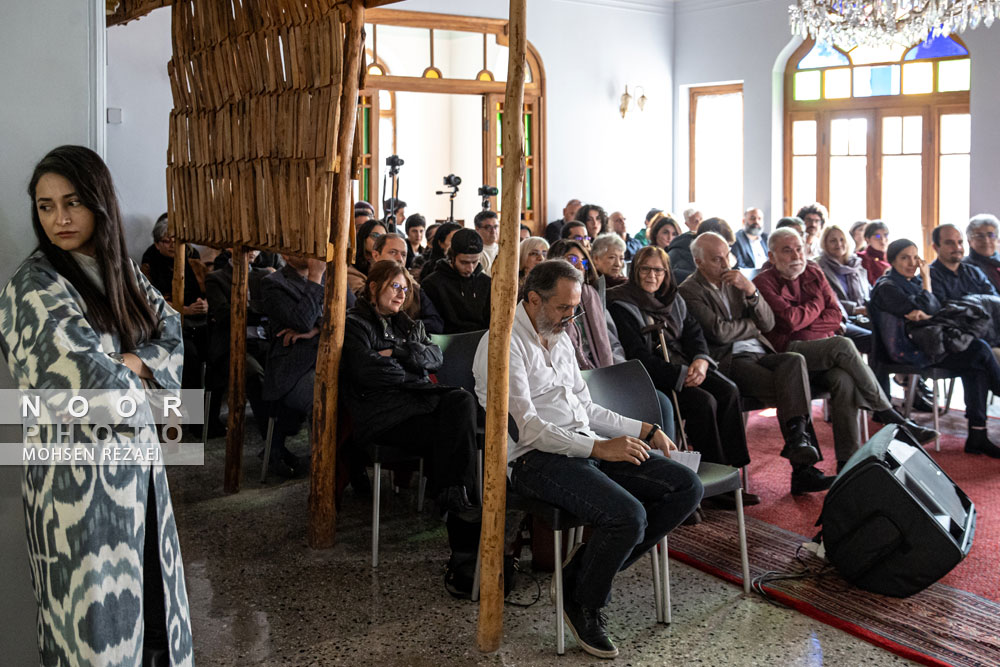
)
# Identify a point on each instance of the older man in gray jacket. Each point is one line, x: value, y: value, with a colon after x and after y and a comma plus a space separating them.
x: 734, y: 318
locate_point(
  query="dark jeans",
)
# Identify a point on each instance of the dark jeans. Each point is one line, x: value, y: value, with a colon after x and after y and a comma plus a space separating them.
x: 629, y: 508
x: 862, y: 337
x: 154, y: 615
x: 714, y: 417
x: 980, y: 373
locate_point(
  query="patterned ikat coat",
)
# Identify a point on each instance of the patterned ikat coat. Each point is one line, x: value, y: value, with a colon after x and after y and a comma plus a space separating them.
x: 86, y: 523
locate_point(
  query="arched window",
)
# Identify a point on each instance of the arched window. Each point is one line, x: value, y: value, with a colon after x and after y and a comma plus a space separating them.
x: 880, y: 133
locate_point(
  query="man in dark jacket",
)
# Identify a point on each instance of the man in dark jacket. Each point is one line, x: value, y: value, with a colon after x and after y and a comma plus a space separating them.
x: 554, y: 228
x: 750, y: 248
x: 459, y: 288
x: 951, y: 278
x: 982, y: 233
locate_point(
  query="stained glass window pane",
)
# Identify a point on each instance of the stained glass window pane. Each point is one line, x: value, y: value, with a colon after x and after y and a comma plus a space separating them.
x: 804, y: 137
x: 912, y: 134
x: 953, y: 75
x: 823, y: 55
x: 807, y: 85
x: 955, y: 133
x: 866, y: 55
x: 918, y: 78
x: 892, y: 135
x: 803, y: 179
x: 872, y: 81
x: 936, y: 47
x: 838, y: 83
x: 954, y: 182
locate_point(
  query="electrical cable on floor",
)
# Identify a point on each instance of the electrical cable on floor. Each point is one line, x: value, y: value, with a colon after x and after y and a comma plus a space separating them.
x: 757, y: 583
x: 534, y: 579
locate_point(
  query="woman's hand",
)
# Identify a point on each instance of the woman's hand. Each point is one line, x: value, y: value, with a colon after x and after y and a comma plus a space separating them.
x: 136, y: 365
x: 198, y: 307
x: 917, y: 315
x: 696, y: 373
x: 386, y: 352
x: 290, y: 336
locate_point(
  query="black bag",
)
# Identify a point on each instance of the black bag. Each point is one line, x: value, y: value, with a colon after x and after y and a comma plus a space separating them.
x: 893, y: 522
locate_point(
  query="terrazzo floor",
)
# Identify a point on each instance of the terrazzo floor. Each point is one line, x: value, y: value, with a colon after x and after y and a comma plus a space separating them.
x: 259, y: 595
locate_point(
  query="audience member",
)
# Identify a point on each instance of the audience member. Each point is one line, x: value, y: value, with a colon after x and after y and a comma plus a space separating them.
x: 734, y: 319
x: 386, y: 361
x: 525, y: 232
x: 617, y: 222
x: 415, y: 225
x: 458, y: 287
x: 750, y: 248
x: 663, y: 231
x: 982, y: 234
x: 681, y: 260
x: 857, y: 233
x: 873, y: 256
x: 576, y: 231
x: 813, y: 218
x: 628, y: 497
x: 593, y: 333
x: 843, y: 270
x: 792, y: 222
x: 808, y: 320
x: 644, y: 237
x: 692, y: 217
x: 398, y: 218
x: 904, y: 295
x: 553, y: 230
x: 438, y: 248
x: 363, y: 211
x: 594, y: 217
x: 264, y: 260
x: 292, y: 301
x: 709, y: 401
x: 429, y: 235
x: 392, y: 247
x: 608, y: 251
x: 487, y: 224
x: 533, y: 251
x: 365, y: 239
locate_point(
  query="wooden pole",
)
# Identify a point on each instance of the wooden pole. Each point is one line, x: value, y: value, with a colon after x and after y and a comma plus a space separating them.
x: 504, y: 300
x: 237, y: 371
x: 177, y: 287
x: 322, y: 489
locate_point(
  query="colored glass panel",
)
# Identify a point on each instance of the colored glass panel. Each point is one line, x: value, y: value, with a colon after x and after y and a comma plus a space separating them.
x: 936, y: 47
x: 874, y: 81
x: 527, y: 134
x: 918, y: 78
x: 804, y: 137
x: 837, y: 83
x: 366, y: 130
x: 954, y: 75
x: 366, y: 175
x: 528, y: 204
x: 807, y: 85
x: 823, y: 55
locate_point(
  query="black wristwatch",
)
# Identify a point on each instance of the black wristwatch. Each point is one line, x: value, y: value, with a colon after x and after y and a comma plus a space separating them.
x: 652, y: 432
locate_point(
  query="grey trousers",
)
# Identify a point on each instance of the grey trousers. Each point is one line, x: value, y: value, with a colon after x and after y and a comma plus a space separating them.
x: 781, y: 380
x: 837, y: 366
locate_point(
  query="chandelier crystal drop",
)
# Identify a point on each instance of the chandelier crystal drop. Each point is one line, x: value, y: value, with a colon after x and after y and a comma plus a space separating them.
x: 847, y: 23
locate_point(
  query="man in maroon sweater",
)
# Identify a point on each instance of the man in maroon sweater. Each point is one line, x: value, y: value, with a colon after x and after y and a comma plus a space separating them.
x: 808, y: 320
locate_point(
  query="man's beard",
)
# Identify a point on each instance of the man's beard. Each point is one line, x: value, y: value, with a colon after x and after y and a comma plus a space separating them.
x: 548, y: 330
x: 791, y: 273
x: 753, y: 230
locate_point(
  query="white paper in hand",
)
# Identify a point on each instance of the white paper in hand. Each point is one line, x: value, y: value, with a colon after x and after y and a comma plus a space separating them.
x: 688, y: 459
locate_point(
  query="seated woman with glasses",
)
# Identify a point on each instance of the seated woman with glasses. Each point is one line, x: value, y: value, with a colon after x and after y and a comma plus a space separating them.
x: 574, y: 230
x: 384, y: 379
x: 873, y: 256
x: 533, y: 251
x: 365, y: 244
x: 649, y: 304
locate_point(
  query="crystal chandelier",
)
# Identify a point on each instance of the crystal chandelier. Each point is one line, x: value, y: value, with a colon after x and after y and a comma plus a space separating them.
x: 878, y: 22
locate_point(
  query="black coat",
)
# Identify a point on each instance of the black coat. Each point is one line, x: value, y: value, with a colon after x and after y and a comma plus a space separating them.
x: 464, y: 303
x: 290, y: 302
x: 382, y: 392
x: 218, y: 290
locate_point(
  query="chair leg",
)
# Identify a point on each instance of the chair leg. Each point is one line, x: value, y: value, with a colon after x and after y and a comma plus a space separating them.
x: 267, y: 449
x: 657, y: 588
x: 741, y: 525
x: 863, y: 418
x: 376, y: 497
x: 665, y: 580
x: 746, y: 478
x: 937, y: 419
x: 911, y: 393
x: 475, y: 577
x: 557, y: 572
x: 420, y: 486
x: 208, y: 402
x: 826, y: 410
x: 947, y: 396
x: 479, y: 473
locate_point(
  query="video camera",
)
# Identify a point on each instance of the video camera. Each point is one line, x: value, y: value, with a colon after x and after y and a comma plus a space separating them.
x: 486, y: 192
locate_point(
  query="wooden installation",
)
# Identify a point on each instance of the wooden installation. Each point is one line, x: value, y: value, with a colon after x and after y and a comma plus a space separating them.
x: 123, y: 11
x: 503, y: 302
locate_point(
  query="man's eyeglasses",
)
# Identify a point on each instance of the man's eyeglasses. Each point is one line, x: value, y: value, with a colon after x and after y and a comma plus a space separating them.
x: 581, y: 239
x: 655, y: 270
x: 169, y: 240
x: 578, y: 261
x: 982, y: 236
x: 399, y: 289
x: 490, y: 228
x: 578, y: 313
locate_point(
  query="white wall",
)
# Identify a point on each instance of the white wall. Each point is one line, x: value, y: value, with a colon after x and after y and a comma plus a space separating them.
x: 749, y: 41
x: 51, y: 52
x: 590, y: 50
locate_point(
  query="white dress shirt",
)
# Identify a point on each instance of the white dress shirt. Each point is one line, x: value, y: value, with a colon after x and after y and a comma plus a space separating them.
x: 548, y: 398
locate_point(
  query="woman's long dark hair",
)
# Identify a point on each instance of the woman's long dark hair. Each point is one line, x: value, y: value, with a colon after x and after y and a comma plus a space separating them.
x: 437, y: 247
x: 122, y: 308
x: 364, y: 231
x: 562, y: 247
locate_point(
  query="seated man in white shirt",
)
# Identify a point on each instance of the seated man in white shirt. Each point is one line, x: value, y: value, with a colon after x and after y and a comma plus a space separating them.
x: 629, y: 496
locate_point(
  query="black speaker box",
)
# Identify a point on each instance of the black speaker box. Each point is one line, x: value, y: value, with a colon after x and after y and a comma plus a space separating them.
x: 894, y: 522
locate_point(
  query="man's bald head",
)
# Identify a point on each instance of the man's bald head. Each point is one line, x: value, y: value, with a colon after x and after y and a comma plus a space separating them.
x: 711, y: 256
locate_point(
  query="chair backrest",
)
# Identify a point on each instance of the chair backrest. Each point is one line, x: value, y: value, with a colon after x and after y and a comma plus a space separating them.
x: 626, y: 389
x: 459, y: 351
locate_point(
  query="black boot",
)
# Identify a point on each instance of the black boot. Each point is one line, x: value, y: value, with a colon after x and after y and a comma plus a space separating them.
x: 921, y: 434
x: 799, y: 448
x: 589, y: 626
x: 808, y: 479
x: 978, y: 442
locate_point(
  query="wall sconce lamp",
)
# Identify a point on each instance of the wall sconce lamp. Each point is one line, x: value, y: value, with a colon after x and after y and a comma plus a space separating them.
x: 626, y: 100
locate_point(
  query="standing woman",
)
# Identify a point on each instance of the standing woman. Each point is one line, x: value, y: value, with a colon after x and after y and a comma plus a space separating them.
x: 78, y: 314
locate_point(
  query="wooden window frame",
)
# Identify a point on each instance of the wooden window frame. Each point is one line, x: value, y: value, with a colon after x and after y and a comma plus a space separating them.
x: 694, y: 93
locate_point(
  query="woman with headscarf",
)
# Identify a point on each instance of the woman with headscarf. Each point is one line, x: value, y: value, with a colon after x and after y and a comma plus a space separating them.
x: 363, y: 247
x: 709, y: 401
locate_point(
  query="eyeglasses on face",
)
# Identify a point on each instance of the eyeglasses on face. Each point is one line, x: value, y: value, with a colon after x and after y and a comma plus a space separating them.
x: 490, y: 228
x: 399, y: 289
x: 581, y: 239
x: 881, y: 237
x: 578, y: 261
x: 169, y: 240
x: 374, y: 235
x: 655, y: 270
x: 578, y: 313
x: 982, y: 236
